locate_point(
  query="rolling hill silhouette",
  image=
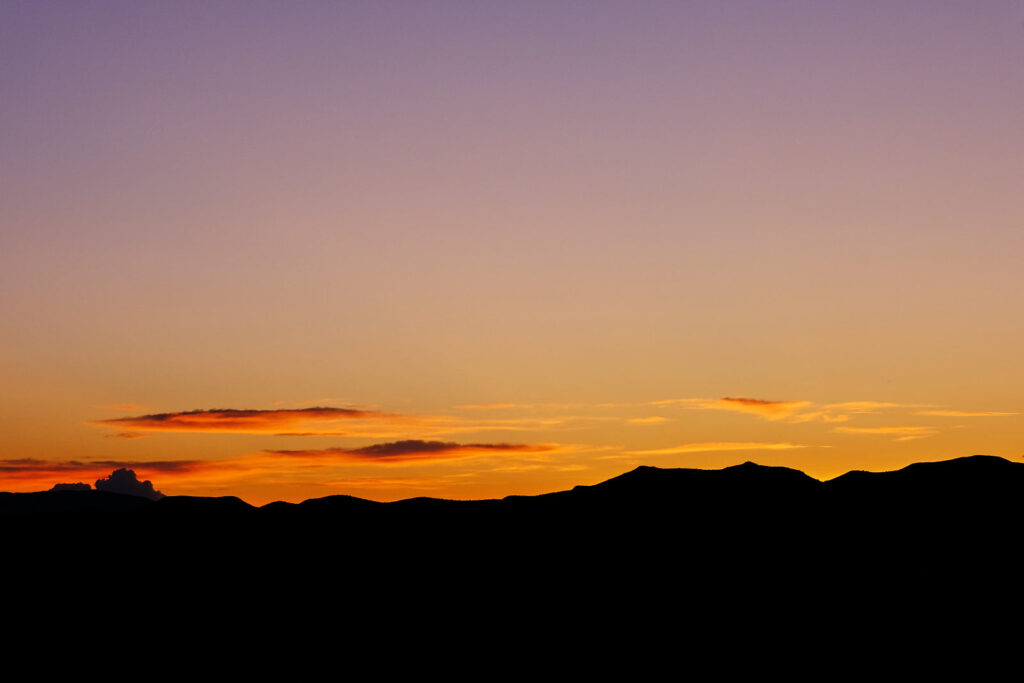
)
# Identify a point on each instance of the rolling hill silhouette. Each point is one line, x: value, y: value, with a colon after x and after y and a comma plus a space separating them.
x: 665, y: 551
x: 962, y: 500
x: 965, y: 486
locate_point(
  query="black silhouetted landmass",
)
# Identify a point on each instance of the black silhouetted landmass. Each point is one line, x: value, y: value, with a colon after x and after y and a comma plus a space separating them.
x: 749, y: 505
x: 749, y: 492
x: 668, y: 553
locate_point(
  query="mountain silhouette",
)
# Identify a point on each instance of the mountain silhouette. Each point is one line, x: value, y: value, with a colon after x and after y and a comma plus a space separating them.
x: 669, y: 553
x: 964, y: 486
x: 749, y: 508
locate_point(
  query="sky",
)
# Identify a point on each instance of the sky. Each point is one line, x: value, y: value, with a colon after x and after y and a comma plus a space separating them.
x: 472, y: 249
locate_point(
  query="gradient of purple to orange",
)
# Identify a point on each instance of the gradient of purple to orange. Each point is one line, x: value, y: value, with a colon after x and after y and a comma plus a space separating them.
x: 417, y: 206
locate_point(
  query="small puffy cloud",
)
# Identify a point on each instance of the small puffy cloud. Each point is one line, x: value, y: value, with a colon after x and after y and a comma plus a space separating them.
x: 126, y: 482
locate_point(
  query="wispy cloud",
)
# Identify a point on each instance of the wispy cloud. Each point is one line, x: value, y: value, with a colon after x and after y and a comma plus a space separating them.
x: 656, y: 419
x: 770, y: 410
x: 504, y: 406
x: 795, y: 411
x: 962, y: 413
x: 720, y: 446
x: 904, y: 433
x: 865, y: 406
x: 532, y: 406
x: 842, y: 412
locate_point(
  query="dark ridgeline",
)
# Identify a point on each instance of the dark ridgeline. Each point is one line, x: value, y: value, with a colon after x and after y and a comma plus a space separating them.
x: 711, y: 551
x: 738, y: 512
x: 744, y: 570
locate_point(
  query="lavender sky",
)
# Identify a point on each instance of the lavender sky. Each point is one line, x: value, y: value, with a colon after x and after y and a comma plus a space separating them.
x: 525, y: 244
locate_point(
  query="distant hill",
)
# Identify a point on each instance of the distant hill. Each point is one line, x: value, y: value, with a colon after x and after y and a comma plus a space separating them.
x: 648, y: 500
x: 703, y: 548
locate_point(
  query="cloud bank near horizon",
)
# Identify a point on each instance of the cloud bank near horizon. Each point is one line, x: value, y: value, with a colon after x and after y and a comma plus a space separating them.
x: 270, y: 463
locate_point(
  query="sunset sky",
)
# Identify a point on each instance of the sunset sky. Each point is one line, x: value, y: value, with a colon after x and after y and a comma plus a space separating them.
x: 471, y: 249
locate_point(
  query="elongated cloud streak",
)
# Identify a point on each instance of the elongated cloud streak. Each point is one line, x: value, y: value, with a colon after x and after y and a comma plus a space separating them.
x: 647, y: 420
x: 798, y: 411
x: 962, y: 413
x: 403, y: 451
x: 13, y: 467
x: 323, y: 421
x: 25, y: 471
x: 235, y: 421
x: 333, y: 421
x: 719, y: 446
x: 790, y: 411
x: 771, y: 410
x: 905, y: 433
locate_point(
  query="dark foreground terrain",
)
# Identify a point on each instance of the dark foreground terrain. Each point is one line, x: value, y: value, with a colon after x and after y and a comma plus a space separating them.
x: 960, y: 511
x: 670, y: 559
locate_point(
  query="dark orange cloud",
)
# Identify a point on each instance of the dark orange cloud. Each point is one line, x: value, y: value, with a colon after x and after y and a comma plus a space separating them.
x: 322, y: 421
x: 31, y: 474
x: 235, y: 421
x: 14, y: 465
x: 35, y: 469
x: 404, y: 451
